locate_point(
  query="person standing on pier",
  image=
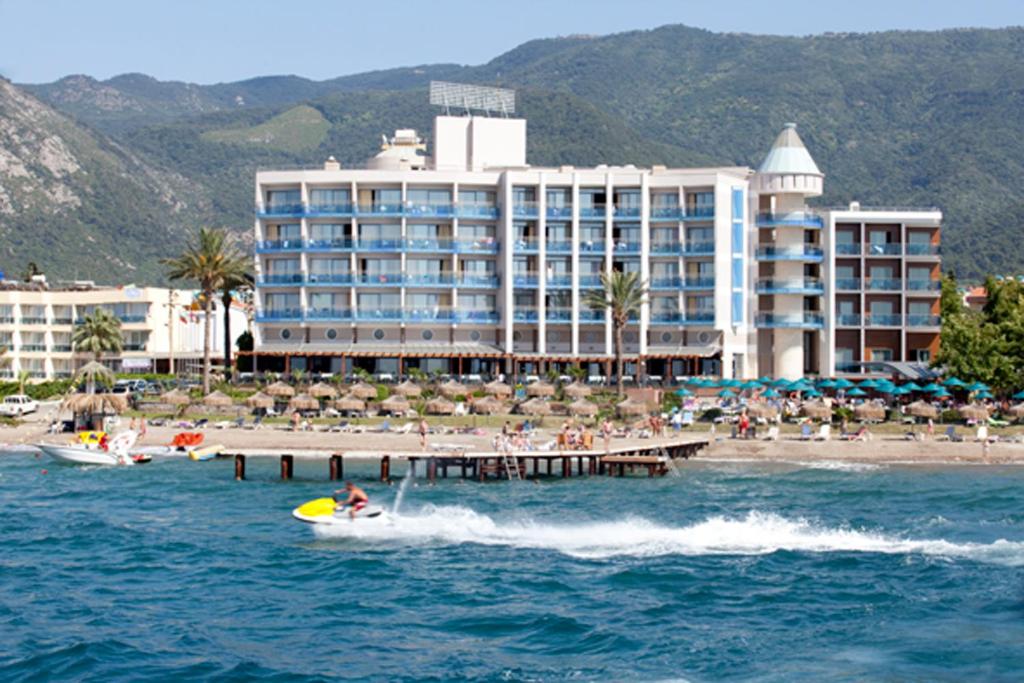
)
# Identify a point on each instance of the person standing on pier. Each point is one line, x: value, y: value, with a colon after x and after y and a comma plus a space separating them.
x: 606, y: 432
x: 423, y: 429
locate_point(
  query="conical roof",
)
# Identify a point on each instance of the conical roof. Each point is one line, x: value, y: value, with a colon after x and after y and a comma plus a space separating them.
x: 788, y: 155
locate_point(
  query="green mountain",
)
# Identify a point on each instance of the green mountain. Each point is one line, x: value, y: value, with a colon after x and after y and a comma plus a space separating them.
x: 894, y: 118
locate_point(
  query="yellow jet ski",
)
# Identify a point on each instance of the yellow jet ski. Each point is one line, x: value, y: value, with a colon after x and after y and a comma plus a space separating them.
x: 321, y: 511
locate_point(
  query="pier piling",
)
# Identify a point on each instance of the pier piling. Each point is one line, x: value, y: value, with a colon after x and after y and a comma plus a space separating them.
x: 337, y: 467
x: 287, y: 467
x: 239, y: 467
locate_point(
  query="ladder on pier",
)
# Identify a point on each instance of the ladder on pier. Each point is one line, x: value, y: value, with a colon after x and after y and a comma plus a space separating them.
x: 511, y: 466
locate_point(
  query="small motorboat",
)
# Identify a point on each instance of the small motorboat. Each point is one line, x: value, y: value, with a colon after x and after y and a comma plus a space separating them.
x: 321, y: 511
x: 102, y: 451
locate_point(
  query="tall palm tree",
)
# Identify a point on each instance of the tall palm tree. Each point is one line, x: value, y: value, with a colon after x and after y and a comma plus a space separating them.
x: 622, y: 295
x: 98, y: 333
x: 238, y: 281
x: 211, y: 261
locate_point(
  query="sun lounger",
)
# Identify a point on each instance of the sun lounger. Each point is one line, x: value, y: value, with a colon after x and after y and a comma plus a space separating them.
x: 222, y: 424
x: 982, y: 433
x: 773, y: 434
x: 861, y: 434
x: 805, y: 432
x: 257, y: 423
x: 342, y: 426
x: 405, y: 429
x: 951, y: 434
x: 824, y: 433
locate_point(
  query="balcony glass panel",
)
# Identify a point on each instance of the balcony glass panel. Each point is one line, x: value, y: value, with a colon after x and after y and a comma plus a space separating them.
x: 877, y: 284
x: 877, y: 249
x: 802, y: 219
x: 848, y: 249
x: 922, y: 285
x: 914, y: 320
x: 699, y: 283
x: 848, y: 283
x: 917, y: 249
x: 884, y: 320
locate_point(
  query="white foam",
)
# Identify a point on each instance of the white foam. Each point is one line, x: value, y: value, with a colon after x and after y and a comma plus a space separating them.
x: 836, y: 465
x: 756, y: 533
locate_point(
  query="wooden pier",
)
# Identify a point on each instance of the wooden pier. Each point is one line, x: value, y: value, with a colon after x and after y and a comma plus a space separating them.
x: 655, y: 460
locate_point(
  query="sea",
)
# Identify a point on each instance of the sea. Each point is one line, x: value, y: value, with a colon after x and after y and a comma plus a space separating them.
x: 729, y: 571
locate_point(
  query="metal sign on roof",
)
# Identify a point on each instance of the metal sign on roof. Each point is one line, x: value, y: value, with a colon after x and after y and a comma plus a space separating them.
x: 472, y: 98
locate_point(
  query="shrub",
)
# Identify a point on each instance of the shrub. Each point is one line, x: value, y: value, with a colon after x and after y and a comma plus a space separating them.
x: 947, y: 416
x: 711, y: 414
x: 843, y: 413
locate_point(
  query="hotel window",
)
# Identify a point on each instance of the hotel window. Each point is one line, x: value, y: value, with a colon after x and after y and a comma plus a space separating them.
x: 844, y: 356
x: 477, y: 266
x: 916, y: 237
x: 559, y: 266
x: 329, y: 266
x: 665, y: 304
x: 281, y: 266
x: 626, y: 237
x: 700, y: 236
x: 701, y: 269
x: 279, y: 199
x: 424, y: 266
x: 921, y: 355
x: 476, y: 232
x: 521, y: 266
x: 881, y: 355
x: 477, y: 302
x: 374, y: 302
x: 664, y: 236
x: 665, y: 201
x: 380, y: 234
x: 627, y: 266
x: 381, y: 266
x: 422, y: 231
x: 590, y: 199
x: 428, y: 198
x: 919, y: 309
x: 881, y: 308
x: 386, y: 198
x: 280, y: 301
x: 628, y: 199
x: 845, y: 273
x: 558, y: 300
x: 845, y: 307
x: 331, y: 197
x: 664, y: 269
x: 476, y: 198
x: 325, y: 301
x: 559, y: 232
x: 524, y: 196
x: 328, y: 232
x: 558, y: 199
x: 700, y: 304
x: 592, y: 234
x: 699, y: 200
x: 525, y: 300
x: 288, y: 232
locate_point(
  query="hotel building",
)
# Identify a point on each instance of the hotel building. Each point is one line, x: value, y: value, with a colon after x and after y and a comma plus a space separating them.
x: 472, y: 262
x: 158, y: 327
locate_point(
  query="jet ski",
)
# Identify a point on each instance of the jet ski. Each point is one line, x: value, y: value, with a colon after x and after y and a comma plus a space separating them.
x: 321, y: 511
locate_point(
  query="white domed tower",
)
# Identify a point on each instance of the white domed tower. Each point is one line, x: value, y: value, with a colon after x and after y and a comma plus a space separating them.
x: 790, y: 258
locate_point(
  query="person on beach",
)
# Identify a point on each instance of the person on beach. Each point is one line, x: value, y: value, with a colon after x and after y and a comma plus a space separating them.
x: 356, y: 499
x: 423, y: 429
x: 296, y: 419
x: 606, y: 433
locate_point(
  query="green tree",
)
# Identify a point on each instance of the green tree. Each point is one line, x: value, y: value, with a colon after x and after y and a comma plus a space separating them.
x: 22, y: 381
x: 622, y: 295
x: 211, y: 261
x: 98, y: 333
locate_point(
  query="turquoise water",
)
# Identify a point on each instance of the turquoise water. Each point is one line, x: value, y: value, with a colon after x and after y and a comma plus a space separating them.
x: 815, y: 572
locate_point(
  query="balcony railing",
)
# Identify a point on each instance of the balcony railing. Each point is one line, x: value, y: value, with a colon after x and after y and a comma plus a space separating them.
x: 805, y: 320
x: 380, y: 209
x: 328, y: 279
x: 848, y: 320
x: 429, y: 279
x: 525, y: 315
x: 807, y: 285
x: 666, y: 317
x: 590, y: 281
x: 481, y: 281
x: 388, y: 245
x: 699, y: 249
x: 62, y: 348
x: 63, y: 321
x: 33, y: 320
x: 595, y: 211
x: 699, y: 283
x: 133, y: 347
x: 627, y: 212
x: 279, y: 314
x: 699, y: 213
x: 883, y: 249
x: 379, y: 279
x: 592, y: 246
x: 486, y: 211
x: 432, y: 314
x: 559, y: 281
x: 848, y: 283
x: 288, y: 279
x: 132, y: 318
x: 265, y: 246
x: 666, y: 282
x: 477, y: 317
x: 525, y: 245
x: 796, y: 219
x: 33, y: 347
x: 337, y: 244
x: 622, y: 247
x: 558, y: 247
x: 329, y: 314
x: 589, y: 315
x: 525, y: 280
x: 921, y: 285
x: 914, y: 320
x: 666, y: 248
x: 699, y: 318
x: 482, y: 245
x: 379, y: 314
x: 884, y: 320
x: 883, y: 284
x: 524, y: 210
x: 559, y: 212
x: 805, y: 253
x: 922, y: 249
x: 849, y: 249
x: 6, y: 320
x: 666, y: 213
x: 282, y: 210
x: 437, y: 210
x: 558, y: 315
x: 431, y: 244
x: 344, y: 209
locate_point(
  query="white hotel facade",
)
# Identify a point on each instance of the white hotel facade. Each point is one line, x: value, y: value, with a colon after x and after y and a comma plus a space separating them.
x: 471, y: 261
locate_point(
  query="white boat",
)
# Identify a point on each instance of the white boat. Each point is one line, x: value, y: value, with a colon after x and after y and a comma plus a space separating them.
x: 115, y: 453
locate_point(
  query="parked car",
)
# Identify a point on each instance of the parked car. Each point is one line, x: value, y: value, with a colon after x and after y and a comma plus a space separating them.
x: 18, y: 405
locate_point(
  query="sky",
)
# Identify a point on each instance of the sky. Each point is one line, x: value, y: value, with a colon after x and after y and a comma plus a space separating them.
x: 210, y: 41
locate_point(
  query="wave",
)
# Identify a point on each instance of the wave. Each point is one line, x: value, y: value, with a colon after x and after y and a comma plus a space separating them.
x: 756, y: 533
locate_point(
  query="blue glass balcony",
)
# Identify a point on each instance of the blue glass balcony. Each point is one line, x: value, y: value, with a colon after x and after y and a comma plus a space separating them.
x: 699, y: 249
x: 62, y: 348
x: 884, y: 320
x: 849, y: 249
x: 806, y: 286
x: 626, y: 247
x: 923, y: 249
x: 558, y: 315
x: 525, y: 315
x: 339, y: 244
x: 429, y: 210
x: 132, y: 318
x: 559, y: 212
x: 42, y: 347
x: 388, y: 245
x: 923, y: 320
x: 699, y: 318
x: 329, y: 210
x: 666, y: 317
x: 433, y: 314
x: 379, y: 279
x: 882, y: 284
x: 883, y: 249
x: 594, y: 211
x: 592, y: 246
x: 484, y: 211
x: 525, y: 246
x: 558, y: 281
x: 805, y: 253
x: 280, y: 211
x: 699, y: 213
x: 525, y: 210
x: 33, y: 321
x: 666, y: 282
x: 328, y: 279
x: 805, y: 320
x: 525, y: 280
x: 289, y: 279
x: 469, y: 280
x: 57, y: 321
x: 666, y: 248
x: 7, y: 320
x: 921, y: 285
x: 329, y: 314
x: 476, y: 317
x: 480, y: 245
x: 792, y: 219
x: 270, y: 246
x: 589, y: 315
x: 590, y: 282
x: 699, y: 283
x: 379, y: 314
x: 558, y: 247
x: 429, y: 279
x: 279, y: 315
x: 381, y: 210
x: 627, y: 213
x: 666, y: 214
x: 848, y: 283
x: 848, y: 320
x: 429, y: 244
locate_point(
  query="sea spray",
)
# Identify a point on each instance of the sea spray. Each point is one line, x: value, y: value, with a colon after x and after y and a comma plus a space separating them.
x: 401, y: 491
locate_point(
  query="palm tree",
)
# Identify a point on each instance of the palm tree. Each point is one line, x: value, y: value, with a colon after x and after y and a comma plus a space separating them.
x: 23, y: 377
x: 212, y: 262
x: 99, y: 332
x: 622, y: 295
x: 237, y: 281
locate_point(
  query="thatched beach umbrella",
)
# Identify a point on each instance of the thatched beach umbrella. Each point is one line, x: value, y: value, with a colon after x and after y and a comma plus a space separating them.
x: 762, y: 410
x: 538, y: 389
x: 395, y: 404
x: 96, y: 404
x: 322, y: 390
x: 350, y: 403
x: 582, y: 408
x: 93, y: 373
x: 175, y: 397
x: 535, y: 406
x: 577, y: 390
x: 975, y: 411
x: 409, y: 389
x: 923, y: 409
x: 497, y: 388
x: 631, y: 407
x: 451, y: 389
x: 217, y: 399
x: 363, y: 390
x: 816, y: 410
x: 303, y: 402
x: 260, y: 400
x: 440, y: 406
x: 869, y: 411
x: 280, y: 390
x: 487, y: 406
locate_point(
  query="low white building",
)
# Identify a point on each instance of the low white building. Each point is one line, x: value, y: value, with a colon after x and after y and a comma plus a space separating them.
x: 160, y: 327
